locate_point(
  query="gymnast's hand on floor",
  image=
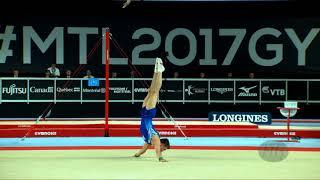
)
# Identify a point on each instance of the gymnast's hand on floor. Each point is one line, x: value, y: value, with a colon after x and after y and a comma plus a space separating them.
x: 161, y: 159
x: 136, y: 155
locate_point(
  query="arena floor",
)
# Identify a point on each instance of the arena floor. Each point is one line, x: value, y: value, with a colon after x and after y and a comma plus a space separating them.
x: 111, y: 158
x: 183, y: 164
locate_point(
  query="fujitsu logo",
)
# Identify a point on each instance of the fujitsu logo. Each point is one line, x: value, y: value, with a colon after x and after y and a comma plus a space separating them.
x: 14, y: 90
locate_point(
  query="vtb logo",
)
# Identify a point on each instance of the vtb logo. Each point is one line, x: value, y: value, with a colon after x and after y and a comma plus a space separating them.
x: 273, y: 92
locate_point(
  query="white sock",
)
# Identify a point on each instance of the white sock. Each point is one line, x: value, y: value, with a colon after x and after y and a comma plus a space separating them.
x: 158, y: 67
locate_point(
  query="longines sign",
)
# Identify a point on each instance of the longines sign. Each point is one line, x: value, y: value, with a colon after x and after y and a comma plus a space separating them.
x: 252, y: 117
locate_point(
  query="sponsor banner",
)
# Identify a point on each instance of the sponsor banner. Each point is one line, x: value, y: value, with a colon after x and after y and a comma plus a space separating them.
x: 221, y: 90
x: 96, y: 92
x: 314, y: 89
x: 171, y: 90
x: 141, y: 89
x: 168, y: 133
x: 120, y: 90
x: 196, y: 90
x: 297, y: 90
x: 247, y: 90
x: 45, y: 133
x: 284, y: 133
x: 93, y: 82
x: 251, y: 117
x: 41, y: 90
x: 273, y: 90
x: 14, y: 90
x: 68, y: 90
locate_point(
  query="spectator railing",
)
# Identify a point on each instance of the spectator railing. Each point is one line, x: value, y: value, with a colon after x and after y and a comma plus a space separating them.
x: 29, y: 90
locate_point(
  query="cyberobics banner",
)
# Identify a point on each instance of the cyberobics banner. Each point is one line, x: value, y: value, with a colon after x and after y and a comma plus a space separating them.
x: 170, y: 90
x: 252, y: 117
x: 141, y: 89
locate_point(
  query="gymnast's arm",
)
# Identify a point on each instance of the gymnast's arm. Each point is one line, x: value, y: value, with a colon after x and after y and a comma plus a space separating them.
x: 142, y: 150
